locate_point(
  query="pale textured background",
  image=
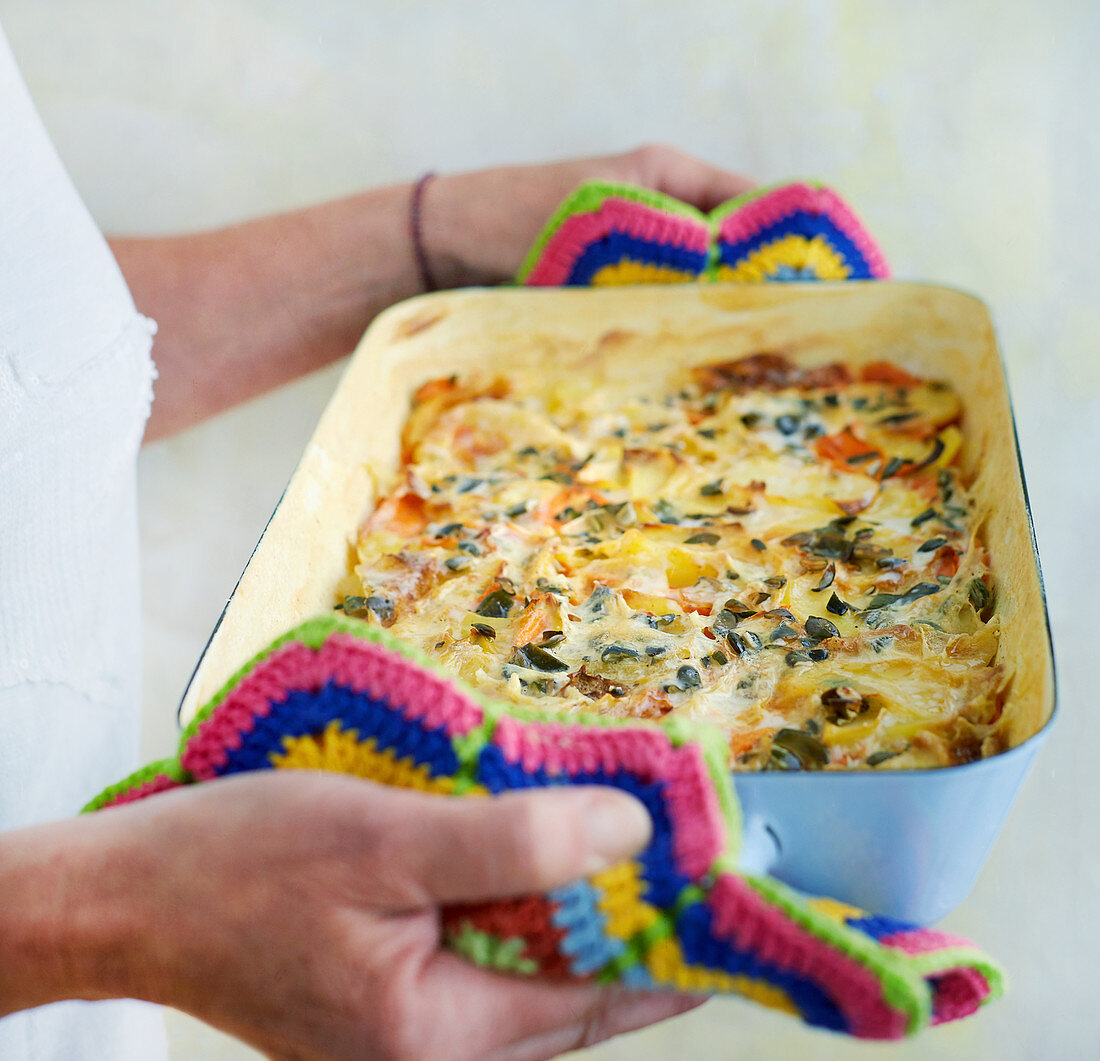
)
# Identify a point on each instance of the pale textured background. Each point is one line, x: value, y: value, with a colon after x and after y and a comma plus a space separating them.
x: 963, y: 132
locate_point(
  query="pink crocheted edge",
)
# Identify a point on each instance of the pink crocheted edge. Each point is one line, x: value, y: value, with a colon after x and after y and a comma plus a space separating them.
x: 361, y: 665
x: 957, y: 992
x: 745, y: 919
x: 779, y: 203
x: 623, y: 215
x: 698, y: 831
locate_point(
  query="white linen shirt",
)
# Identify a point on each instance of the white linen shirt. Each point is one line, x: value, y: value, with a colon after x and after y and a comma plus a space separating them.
x: 75, y: 388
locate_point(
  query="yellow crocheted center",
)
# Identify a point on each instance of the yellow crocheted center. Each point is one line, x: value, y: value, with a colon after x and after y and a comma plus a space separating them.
x: 794, y: 252
x: 631, y: 272
x: 341, y: 750
x: 667, y: 966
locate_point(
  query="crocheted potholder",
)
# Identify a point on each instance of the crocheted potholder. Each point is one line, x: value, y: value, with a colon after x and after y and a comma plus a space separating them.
x: 339, y: 695
x: 611, y: 234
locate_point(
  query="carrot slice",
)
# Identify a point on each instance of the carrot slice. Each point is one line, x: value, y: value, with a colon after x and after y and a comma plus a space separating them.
x: 887, y: 372
x: 838, y: 449
x: 404, y: 513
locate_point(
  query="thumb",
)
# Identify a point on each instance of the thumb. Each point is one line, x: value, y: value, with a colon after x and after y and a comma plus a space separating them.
x: 466, y: 850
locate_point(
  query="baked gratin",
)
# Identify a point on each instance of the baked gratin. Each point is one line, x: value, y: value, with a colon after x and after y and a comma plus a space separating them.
x: 788, y: 553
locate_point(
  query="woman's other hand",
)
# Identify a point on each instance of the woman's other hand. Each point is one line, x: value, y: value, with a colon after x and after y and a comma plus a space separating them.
x: 300, y: 912
x: 477, y: 227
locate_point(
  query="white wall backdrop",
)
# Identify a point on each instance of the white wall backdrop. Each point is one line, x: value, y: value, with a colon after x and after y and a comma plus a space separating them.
x: 964, y: 134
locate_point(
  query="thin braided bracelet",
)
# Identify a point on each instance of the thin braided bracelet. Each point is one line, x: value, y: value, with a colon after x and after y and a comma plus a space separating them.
x: 427, y: 280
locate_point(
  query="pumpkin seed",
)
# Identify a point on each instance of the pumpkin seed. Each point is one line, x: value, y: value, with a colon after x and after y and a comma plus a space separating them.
x: 618, y: 652
x: 711, y: 489
x: 484, y: 629
x: 978, y: 593
x: 496, y: 605
x: 819, y: 629
x: 536, y: 658
x: 826, y: 578
x: 875, y: 758
x: 704, y: 538
x: 927, y: 514
x: 688, y: 676
x: 837, y: 606
x: 810, y: 752
x: 931, y: 545
x: 757, y: 544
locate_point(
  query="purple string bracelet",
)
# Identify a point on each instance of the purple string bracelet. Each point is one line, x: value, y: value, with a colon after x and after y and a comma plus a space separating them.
x: 427, y: 280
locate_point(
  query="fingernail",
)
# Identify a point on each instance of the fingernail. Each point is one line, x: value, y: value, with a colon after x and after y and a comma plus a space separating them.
x: 618, y: 826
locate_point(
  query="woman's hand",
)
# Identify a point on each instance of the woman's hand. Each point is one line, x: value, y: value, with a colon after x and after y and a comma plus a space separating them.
x: 478, y: 226
x: 300, y: 912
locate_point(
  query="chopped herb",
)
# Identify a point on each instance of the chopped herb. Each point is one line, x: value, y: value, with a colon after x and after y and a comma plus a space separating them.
x: 703, y: 538
x: 837, y: 606
x: 757, y: 544
x: 484, y: 629
x: 826, y: 578
x: 931, y: 545
x: 496, y: 605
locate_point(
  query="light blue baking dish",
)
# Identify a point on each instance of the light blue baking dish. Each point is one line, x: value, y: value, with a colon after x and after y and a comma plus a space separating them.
x: 908, y: 844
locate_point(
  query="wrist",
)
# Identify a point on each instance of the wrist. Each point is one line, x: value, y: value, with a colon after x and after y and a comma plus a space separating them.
x: 458, y: 232
x: 66, y: 930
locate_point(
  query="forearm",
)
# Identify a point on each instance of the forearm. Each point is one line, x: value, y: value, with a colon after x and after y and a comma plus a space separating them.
x: 65, y: 931
x: 245, y: 309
